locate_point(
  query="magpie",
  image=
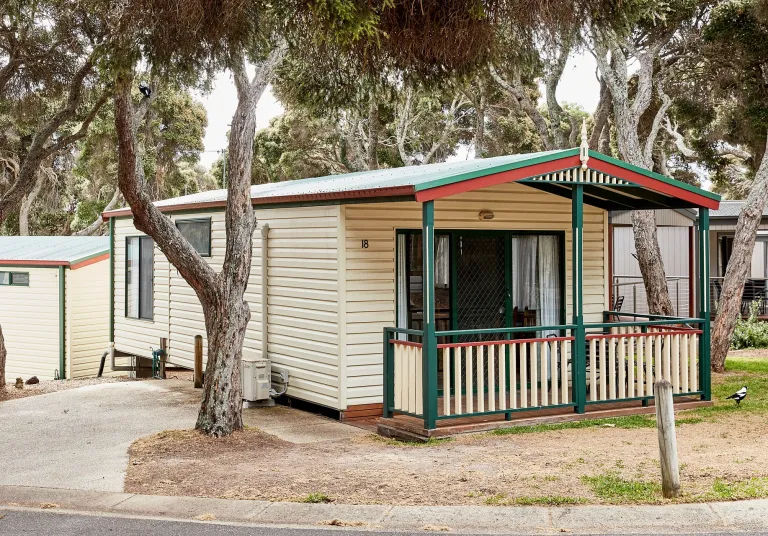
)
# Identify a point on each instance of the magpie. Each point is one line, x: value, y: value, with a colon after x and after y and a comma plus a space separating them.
x: 145, y: 89
x: 739, y: 395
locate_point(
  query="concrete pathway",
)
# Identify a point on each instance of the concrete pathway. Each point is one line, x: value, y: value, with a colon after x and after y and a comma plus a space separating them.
x: 728, y: 518
x: 79, y: 438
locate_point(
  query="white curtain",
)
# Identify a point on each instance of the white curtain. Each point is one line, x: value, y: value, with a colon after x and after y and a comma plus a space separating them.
x: 524, y: 261
x: 549, y: 284
x: 132, y: 279
x: 442, y: 261
x: 402, y: 285
x: 548, y: 310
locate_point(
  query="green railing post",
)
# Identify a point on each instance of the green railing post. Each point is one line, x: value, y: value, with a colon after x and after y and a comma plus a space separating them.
x: 705, y: 377
x: 578, y: 359
x: 389, y: 375
x: 429, y: 341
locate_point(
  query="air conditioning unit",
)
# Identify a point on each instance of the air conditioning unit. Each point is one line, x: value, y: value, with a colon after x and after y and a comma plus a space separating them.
x: 257, y: 381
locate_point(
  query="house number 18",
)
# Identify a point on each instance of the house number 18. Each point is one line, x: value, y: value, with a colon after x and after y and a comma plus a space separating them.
x: 365, y: 244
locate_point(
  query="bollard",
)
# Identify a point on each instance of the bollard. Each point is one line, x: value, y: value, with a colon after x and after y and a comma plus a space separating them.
x: 665, y: 422
x: 198, y: 361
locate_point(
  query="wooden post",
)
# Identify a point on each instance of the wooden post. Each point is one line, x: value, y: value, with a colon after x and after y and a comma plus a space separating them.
x: 665, y: 422
x: 163, y: 356
x: 198, y: 361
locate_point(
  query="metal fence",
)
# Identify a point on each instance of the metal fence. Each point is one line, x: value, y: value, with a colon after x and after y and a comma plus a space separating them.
x: 755, y: 290
x: 632, y: 288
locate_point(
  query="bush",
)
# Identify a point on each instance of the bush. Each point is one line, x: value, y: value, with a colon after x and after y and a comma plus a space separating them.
x: 750, y: 333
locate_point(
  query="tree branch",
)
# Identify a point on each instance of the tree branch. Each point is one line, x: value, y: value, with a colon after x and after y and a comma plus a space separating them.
x: 661, y: 113
x: 93, y: 227
x: 527, y: 106
x: 146, y: 216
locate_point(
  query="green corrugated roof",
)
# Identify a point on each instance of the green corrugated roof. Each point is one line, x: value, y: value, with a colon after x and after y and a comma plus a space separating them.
x: 63, y: 249
x: 415, y: 178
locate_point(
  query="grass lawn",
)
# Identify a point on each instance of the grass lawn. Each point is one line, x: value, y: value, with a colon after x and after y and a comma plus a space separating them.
x: 723, y: 452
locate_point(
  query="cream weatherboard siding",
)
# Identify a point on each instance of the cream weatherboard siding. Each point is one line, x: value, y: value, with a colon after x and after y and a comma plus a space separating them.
x: 303, y: 299
x: 29, y: 317
x: 370, y: 272
x: 136, y: 336
x: 87, y: 318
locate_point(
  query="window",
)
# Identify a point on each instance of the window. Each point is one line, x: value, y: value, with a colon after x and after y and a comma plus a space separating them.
x: 197, y: 233
x: 15, y: 279
x: 139, y: 261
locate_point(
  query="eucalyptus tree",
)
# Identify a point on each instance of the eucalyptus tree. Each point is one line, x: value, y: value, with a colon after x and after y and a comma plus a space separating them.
x: 722, y: 125
x: 50, y: 92
x: 636, y: 55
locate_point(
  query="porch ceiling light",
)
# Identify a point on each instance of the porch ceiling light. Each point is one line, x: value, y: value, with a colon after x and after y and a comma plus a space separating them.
x: 486, y: 214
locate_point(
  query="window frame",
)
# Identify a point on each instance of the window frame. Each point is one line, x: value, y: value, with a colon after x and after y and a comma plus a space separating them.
x: 210, y: 233
x: 138, y: 316
x: 10, y: 279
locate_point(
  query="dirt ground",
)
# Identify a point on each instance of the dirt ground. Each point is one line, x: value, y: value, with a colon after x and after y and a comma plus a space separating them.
x: 51, y: 386
x: 723, y: 453
x: 467, y: 470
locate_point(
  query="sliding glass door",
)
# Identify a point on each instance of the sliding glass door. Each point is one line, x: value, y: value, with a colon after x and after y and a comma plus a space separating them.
x: 485, y: 279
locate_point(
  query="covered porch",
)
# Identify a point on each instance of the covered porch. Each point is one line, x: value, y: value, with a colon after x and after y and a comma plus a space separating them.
x: 487, y: 338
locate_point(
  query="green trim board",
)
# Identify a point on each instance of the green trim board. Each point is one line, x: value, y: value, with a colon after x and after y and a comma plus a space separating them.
x: 111, y: 280
x: 62, y: 323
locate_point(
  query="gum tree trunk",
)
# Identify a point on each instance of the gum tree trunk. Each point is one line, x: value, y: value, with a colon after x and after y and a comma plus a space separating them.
x: 221, y: 295
x: 729, y: 306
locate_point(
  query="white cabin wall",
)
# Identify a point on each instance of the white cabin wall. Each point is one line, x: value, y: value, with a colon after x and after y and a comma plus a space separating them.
x: 29, y: 317
x: 370, y: 272
x: 303, y: 299
x: 87, y: 318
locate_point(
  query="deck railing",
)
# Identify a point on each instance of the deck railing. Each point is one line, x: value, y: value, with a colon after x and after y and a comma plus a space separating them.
x: 624, y: 359
x: 486, y: 372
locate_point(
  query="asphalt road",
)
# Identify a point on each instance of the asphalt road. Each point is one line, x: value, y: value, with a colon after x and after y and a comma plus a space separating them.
x: 25, y: 522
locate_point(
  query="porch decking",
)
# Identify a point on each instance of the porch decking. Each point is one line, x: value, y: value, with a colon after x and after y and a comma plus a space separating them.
x: 410, y: 428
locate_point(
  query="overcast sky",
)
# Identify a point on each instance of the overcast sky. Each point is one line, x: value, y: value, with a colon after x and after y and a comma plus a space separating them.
x: 578, y: 85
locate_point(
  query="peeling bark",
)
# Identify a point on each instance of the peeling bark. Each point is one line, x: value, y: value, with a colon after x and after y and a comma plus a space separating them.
x: 729, y: 306
x: 26, y: 205
x: 627, y: 114
x: 373, y: 134
x: 480, y: 122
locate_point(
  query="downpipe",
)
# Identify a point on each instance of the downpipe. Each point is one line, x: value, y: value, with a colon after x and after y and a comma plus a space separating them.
x: 112, y: 366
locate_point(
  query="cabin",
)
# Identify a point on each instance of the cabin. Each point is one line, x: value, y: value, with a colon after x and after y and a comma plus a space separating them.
x: 54, y: 305
x: 676, y: 233
x: 676, y: 230
x: 435, y: 297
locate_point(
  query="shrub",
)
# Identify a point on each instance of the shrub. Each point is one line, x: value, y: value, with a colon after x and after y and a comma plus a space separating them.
x: 750, y: 333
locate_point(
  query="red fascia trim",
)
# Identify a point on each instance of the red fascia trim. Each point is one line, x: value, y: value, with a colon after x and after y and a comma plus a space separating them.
x: 501, y: 343
x: 652, y: 184
x: 33, y: 263
x: 391, y: 191
x: 88, y: 262
x: 497, y: 178
x: 405, y: 343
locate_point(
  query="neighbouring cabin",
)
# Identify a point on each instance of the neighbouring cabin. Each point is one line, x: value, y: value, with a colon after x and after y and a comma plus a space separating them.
x: 54, y: 305
x: 430, y: 294
x: 676, y: 231
x: 676, y: 234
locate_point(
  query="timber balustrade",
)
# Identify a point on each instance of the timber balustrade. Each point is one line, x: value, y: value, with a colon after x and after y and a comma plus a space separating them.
x: 502, y: 371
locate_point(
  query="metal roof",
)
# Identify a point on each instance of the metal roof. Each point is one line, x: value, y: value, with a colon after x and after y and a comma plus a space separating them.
x: 731, y: 209
x: 411, y: 176
x: 51, y: 250
x: 641, y: 189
